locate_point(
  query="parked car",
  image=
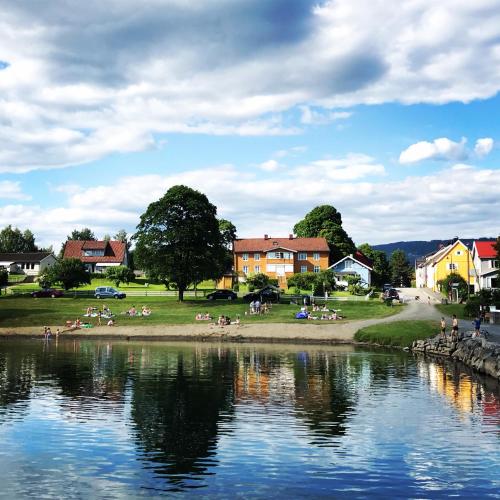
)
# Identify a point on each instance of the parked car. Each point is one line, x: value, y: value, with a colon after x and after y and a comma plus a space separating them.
x: 47, y: 292
x: 108, y: 292
x: 222, y: 294
x: 386, y: 287
x: 391, y: 293
x: 266, y: 294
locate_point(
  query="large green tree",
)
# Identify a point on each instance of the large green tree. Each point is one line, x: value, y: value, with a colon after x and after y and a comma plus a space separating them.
x: 84, y: 234
x: 15, y: 241
x: 381, y: 272
x: 70, y: 273
x: 178, y: 239
x: 325, y: 221
x: 228, y: 232
x: 401, y: 270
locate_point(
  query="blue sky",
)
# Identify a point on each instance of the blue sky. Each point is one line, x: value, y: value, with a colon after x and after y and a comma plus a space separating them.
x: 388, y: 111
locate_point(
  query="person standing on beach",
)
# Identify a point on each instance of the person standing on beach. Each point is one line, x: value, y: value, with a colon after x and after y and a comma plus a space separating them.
x: 477, y: 326
x: 443, y: 327
x: 454, y: 327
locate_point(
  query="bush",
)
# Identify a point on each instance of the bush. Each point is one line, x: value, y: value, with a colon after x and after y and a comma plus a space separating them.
x: 251, y: 287
x: 473, y: 307
x: 259, y: 280
x: 274, y: 282
x: 236, y: 287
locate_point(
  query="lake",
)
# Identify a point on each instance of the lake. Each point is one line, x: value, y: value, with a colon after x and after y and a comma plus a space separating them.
x: 97, y: 419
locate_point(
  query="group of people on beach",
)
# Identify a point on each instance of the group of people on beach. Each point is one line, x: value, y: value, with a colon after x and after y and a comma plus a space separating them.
x: 256, y: 307
x: 454, y: 327
x: 145, y: 311
x: 327, y: 314
x: 203, y: 317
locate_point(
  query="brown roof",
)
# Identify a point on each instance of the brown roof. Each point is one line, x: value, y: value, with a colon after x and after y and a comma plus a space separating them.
x: 114, y: 251
x: 294, y: 244
x: 361, y: 257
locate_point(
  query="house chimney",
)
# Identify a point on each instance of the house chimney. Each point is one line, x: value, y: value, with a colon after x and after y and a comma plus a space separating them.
x: 266, y: 237
x: 290, y: 236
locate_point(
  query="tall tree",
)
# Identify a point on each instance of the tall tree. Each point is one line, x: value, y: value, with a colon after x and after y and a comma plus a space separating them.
x: 401, y: 270
x: 70, y: 273
x: 84, y: 234
x: 15, y: 241
x: 228, y: 232
x: 496, y: 246
x: 178, y: 239
x: 381, y: 272
x: 325, y: 221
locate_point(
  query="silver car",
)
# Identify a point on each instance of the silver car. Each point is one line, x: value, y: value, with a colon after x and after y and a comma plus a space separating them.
x: 108, y: 292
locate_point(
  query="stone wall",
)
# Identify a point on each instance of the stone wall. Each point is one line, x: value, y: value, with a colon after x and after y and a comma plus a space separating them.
x: 477, y: 353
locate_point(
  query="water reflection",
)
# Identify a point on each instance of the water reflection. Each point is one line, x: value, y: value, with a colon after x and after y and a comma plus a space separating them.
x: 158, y: 416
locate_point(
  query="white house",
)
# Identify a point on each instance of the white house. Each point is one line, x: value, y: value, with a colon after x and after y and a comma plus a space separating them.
x: 31, y: 264
x: 353, y: 265
x: 486, y: 265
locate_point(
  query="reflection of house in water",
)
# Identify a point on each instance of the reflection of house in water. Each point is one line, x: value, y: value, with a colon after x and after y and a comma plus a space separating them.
x: 465, y: 394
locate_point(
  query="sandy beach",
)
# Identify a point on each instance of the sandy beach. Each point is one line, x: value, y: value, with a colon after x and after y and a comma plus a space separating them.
x: 303, y: 332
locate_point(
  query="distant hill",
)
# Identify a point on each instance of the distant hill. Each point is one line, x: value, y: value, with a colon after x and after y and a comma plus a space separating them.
x: 417, y: 249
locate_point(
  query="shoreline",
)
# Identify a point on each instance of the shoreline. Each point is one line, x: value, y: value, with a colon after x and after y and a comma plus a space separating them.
x: 342, y: 333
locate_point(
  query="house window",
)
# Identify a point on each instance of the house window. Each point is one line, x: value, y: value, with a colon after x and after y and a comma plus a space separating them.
x: 245, y: 269
x: 245, y: 256
x: 303, y: 269
x: 279, y: 255
x: 93, y: 253
x: 256, y: 256
x: 452, y: 267
x: 316, y: 256
x: 494, y: 264
x: 256, y: 269
x: 317, y: 269
x: 458, y: 252
x: 302, y: 256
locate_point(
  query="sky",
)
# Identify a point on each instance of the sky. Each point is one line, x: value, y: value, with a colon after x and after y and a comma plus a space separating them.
x: 387, y: 110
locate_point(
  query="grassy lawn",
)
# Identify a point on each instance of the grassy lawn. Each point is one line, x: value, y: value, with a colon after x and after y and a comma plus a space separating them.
x: 449, y: 309
x: 397, y: 333
x: 27, y: 311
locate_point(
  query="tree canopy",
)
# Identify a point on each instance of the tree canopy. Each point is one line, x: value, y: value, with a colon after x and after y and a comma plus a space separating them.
x: 178, y: 239
x: 401, y: 270
x: 381, y: 272
x: 70, y: 273
x: 326, y: 222
x: 120, y: 274
x: 84, y: 234
x: 15, y: 241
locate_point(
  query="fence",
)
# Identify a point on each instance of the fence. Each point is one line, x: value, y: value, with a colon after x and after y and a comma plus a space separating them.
x: 130, y: 293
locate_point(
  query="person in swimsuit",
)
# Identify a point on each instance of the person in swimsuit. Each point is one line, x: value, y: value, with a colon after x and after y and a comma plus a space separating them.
x: 454, y: 328
x: 443, y: 328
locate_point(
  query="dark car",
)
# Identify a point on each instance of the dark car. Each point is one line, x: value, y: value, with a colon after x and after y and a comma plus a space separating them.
x: 267, y: 294
x: 222, y: 294
x: 47, y: 292
x: 391, y: 293
x: 386, y: 287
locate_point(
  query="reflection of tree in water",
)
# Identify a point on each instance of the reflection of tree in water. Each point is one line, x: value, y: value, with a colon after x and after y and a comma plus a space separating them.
x: 326, y: 391
x: 177, y: 411
x: 18, y: 372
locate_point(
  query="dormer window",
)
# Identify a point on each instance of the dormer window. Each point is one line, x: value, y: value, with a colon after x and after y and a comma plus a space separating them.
x: 94, y: 252
x: 275, y: 243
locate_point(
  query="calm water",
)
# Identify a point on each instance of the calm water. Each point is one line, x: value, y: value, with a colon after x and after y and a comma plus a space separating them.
x: 107, y: 420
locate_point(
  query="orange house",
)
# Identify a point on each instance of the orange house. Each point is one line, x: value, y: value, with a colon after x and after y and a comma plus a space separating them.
x: 280, y: 257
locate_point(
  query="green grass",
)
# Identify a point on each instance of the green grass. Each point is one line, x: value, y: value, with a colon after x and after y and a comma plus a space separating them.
x: 449, y: 309
x: 27, y: 311
x: 397, y: 333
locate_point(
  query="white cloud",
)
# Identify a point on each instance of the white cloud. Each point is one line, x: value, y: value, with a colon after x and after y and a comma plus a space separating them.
x: 80, y: 83
x: 483, y: 147
x: 312, y: 116
x: 12, y: 190
x: 460, y: 198
x: 270, y: 166
x: 439, y: 149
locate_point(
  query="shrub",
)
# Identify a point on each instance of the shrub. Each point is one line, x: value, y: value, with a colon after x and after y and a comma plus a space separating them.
x: 236, y: 287
x: 251, y: 287
x: 259, y: 280
x: 473, y: 307
x: 274, y: 281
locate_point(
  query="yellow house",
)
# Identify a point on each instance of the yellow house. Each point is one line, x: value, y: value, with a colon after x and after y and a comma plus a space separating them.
x: 455, y: 258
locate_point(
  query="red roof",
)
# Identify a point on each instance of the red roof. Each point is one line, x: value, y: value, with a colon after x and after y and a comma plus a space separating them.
x: 361, y: 257
x: 485, y: 249
x: 114, y: 251
x: 295, y: 244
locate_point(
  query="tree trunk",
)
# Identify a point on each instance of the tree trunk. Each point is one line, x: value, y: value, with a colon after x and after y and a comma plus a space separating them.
x: 181, y: 293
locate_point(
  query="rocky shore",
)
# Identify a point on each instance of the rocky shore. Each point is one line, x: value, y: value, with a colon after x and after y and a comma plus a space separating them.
x: 478, y: 354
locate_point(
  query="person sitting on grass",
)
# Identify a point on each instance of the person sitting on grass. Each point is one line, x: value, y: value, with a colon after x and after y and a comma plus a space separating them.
x: 132, y: 311
x: 146, y: 311
x: 111, y: 322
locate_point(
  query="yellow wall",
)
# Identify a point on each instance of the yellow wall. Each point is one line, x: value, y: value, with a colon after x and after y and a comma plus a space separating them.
x: 461, y: 258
